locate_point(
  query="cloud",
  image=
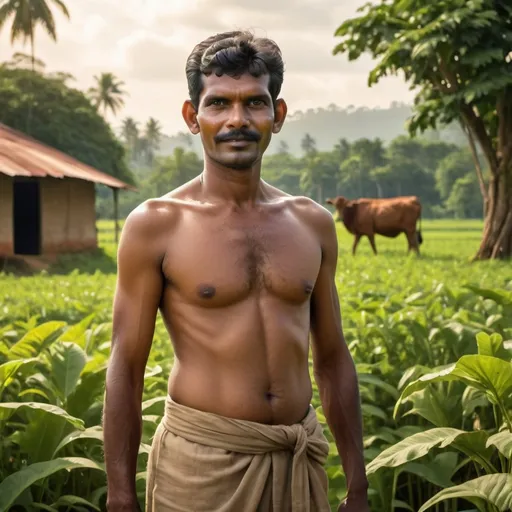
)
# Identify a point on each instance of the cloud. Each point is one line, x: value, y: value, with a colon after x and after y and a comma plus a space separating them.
x: 153, y: 58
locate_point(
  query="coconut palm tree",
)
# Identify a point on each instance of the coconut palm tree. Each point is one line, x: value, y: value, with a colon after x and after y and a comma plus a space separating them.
x: 108, y: 93
x: 153, y: 133
x: 27, y: 15
x: 130, y: 134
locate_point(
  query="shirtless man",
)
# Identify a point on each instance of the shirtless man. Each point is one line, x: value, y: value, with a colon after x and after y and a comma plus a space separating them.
x: 242, y: 274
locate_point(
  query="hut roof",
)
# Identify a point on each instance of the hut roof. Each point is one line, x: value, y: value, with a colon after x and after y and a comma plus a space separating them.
x: 21, y: 155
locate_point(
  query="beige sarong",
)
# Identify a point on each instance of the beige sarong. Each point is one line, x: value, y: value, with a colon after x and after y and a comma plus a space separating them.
x: 209, y: 463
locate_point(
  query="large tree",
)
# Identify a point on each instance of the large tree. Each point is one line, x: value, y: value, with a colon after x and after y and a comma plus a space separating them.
x: 26, y: 16
x: 457, y: 55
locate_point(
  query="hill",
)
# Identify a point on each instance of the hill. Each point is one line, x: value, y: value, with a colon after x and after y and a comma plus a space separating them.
x: 328, y: 125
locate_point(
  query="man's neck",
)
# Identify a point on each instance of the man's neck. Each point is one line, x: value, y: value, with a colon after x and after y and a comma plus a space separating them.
x: 240, y: 187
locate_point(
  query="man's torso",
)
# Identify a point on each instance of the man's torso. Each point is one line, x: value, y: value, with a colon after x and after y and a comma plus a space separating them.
x: 236, y: 302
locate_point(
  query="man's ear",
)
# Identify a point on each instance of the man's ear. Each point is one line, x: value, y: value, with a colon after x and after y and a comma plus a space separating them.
x: 189, y: 113
x: 280, y: 111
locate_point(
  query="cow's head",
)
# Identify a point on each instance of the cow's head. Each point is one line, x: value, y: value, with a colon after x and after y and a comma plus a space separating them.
x: 339, y: 202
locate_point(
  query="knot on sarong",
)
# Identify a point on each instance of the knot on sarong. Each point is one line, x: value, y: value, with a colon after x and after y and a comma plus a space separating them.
x: 297, y: 438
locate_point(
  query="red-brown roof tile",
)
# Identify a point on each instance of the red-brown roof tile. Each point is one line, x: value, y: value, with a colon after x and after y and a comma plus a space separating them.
x: 21, y: 155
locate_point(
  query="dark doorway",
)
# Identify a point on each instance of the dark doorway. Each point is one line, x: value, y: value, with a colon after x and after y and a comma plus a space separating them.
x: 27, y: 217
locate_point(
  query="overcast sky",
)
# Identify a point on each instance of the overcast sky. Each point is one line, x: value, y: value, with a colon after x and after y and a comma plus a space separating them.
x: 146, y: 42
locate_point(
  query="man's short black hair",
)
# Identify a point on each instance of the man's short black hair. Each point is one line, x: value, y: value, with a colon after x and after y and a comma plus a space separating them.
x: 234, y: 53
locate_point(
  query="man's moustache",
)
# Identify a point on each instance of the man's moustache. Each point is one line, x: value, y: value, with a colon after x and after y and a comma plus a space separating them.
x: 248, y: 135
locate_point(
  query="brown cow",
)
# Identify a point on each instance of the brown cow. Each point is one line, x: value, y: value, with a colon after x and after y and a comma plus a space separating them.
x: 386, y: 217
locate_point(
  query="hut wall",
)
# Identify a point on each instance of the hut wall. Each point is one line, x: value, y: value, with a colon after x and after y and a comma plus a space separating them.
x: 6, y: 224
x: 68, y: 215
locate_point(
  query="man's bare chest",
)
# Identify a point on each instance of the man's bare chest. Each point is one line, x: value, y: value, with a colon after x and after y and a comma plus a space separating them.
x: 224, y: 263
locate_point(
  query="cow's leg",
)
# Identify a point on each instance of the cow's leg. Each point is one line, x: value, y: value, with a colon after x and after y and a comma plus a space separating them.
x: 372, y: 243
x: 354, y: 246
x: 412, y: 241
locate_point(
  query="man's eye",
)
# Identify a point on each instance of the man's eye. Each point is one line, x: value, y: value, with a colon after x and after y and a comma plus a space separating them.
x: 217, y: 103
x: 257, y: 103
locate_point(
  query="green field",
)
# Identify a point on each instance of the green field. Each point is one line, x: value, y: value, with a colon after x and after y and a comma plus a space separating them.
x: 403, y: 316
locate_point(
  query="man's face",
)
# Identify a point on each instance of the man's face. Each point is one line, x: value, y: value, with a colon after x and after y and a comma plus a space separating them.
x: 236, y: 119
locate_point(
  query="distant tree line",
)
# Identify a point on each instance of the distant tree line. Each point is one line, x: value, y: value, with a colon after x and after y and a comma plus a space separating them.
x: 442, y: 175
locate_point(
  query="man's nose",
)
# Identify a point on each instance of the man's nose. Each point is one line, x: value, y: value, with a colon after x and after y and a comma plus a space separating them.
x: 238, y: 116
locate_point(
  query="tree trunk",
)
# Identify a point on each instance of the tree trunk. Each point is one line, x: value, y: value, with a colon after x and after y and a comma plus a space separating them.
x: 497, y: 237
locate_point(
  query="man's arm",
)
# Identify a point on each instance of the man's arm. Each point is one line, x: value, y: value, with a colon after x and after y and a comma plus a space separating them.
x: 136, y: 301
x: 334, y: 368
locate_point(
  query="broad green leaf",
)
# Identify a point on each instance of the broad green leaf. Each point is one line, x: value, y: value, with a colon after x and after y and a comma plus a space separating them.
x: 13, y: 485
x: 381, y: 436
x: 34, y: 391
x: 76, y: 333
x: 438, y: 471
x: 9, y: 369
x: 159, y: 401
x: 492, y: 346
x: 471, y: 399
x: 495, y: 489
x: 503, y: 442
x: 9, y: 408
x: 41, y: 435
x: 502, y: 297
x: 87, y: 393
x: 411, y: 374
x: 489, y: 374
x: 366, y: 378
x: 399, y: 504
x: 70, y: 501
x: 373, y: 410
x: 67, y: 361
x: 97, y: 362
x: 35, y: 340
x: 418, y: 445
x: 89, y: 433
x: 436, y: 407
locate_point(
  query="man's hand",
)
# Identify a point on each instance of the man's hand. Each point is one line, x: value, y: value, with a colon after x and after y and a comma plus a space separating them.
x: 357, y: 503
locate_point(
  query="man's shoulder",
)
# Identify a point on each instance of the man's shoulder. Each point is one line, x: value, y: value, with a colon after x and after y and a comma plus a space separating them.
x: 155, y: 212
x: 152, y: 221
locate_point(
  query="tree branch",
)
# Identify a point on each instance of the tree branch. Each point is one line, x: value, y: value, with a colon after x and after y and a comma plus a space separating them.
x: 476, y: 160
x: 472, y: 120
x: 476, y: 124
x: 449, y: 76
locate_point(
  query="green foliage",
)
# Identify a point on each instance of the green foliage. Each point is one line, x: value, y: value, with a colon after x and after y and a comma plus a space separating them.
x: 495, y: 489
x: 454, y: 52
x: 465, y: 199
x: 62, y: 117
x: 404, y: 318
